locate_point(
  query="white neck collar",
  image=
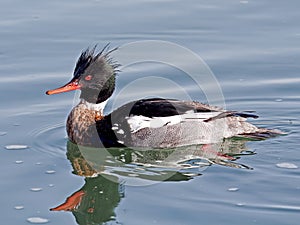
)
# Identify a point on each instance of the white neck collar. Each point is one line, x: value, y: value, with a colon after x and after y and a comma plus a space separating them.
x: 92, y: 106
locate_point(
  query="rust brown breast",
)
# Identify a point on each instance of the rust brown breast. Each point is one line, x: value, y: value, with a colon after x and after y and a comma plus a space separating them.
x: 80, y: 123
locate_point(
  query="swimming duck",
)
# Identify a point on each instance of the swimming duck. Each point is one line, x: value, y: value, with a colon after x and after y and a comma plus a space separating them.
x: 153, y: 122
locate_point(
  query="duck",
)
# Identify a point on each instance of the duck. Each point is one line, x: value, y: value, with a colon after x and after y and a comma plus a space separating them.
x: 148, y: 122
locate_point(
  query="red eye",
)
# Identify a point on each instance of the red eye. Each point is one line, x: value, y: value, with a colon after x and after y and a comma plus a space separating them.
x: 88, y: 77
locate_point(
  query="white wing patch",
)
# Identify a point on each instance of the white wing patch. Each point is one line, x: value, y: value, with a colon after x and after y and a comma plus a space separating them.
x: 139, y: 122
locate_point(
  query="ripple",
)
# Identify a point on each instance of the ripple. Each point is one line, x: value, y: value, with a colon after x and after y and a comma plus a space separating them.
x: 2, y: 133
x: 274, y: 207
x: 50, y: 139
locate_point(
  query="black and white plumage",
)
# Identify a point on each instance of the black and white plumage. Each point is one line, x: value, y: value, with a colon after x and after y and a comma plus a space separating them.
x: 154, y: 123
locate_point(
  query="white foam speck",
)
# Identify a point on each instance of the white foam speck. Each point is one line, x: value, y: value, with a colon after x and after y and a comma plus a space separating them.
x: 286, y: 165
x: 16, y: 147
x: 18, y: 161
x: 19, y: 207
x: 232, y: 189
x: 50, y: 171
x: 37, y: 220
x: 36, y: 189
x: 244, y: 2
x: 51, y: 185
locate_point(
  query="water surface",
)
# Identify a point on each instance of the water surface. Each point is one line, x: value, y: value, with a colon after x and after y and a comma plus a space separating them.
x: 251, y: 46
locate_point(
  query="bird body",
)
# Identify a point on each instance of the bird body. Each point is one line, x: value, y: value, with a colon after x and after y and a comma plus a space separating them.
x: 150, y: 123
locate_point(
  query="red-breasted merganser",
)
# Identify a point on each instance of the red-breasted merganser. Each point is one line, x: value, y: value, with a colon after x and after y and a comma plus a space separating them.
x: 154, y: 123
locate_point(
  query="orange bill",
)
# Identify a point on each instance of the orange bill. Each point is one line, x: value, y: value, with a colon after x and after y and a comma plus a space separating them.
x: 71, y: 203
x: 71, y: 86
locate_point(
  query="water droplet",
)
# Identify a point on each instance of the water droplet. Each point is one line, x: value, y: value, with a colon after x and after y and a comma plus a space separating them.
x: 19, y: 207
x: 36, y: 189
x: 37, y: 220
x: 233, y: 189
x: 286, y: 165
x: 50, y: 171
x: 16, y: 147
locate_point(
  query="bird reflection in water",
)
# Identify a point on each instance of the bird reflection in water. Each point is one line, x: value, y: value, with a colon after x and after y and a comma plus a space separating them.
x: 107, y: 171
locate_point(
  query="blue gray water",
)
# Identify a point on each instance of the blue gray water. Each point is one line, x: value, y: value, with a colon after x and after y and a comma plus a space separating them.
x: 251, y: 46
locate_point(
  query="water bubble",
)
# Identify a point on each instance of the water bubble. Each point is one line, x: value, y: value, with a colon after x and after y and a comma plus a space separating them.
x: 240, y: 204
x: 36, y: 189
x: 50, y: 171
x: 287, y: 165
x: 19, y: 207
x: 37, y: 220
x: 133, y: 175
x: 16, y: 147
x: 233, y: 189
